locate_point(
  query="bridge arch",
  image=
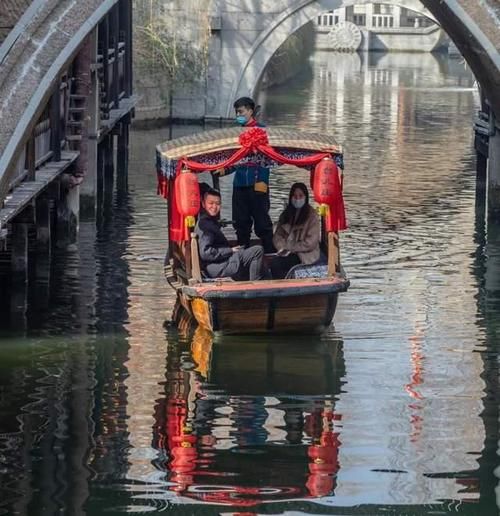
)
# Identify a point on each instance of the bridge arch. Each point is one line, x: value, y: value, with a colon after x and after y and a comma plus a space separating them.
x: 456, y: 20
x: 45, y: 40
x: 291, y: 20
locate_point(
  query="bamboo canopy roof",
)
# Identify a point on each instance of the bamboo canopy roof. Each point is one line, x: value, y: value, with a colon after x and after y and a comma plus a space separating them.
x: 220, y: 140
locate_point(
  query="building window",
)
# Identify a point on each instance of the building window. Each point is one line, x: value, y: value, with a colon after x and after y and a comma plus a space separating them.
x: 319, y: 20
x: 330, y: 19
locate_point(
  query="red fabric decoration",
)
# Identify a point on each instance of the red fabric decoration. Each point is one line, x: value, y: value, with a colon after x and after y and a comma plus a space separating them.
x: 162, y: 188
x: 328, y: 190
x: 178, y: 232
x: 253, y: 138
x: 187, y: 193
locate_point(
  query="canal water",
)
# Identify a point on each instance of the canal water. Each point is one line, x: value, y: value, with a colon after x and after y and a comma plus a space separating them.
x: 104, y: 409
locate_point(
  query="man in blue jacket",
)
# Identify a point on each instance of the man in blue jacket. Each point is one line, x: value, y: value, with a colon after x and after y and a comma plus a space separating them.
x: 251, y: 190
x: 219, y: 259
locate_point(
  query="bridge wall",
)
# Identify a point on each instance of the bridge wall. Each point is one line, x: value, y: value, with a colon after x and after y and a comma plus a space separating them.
x: 246, y: 38
x: 31, y: 66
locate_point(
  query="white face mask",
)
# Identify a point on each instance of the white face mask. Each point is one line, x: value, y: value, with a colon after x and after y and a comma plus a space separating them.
x: 298, y: 203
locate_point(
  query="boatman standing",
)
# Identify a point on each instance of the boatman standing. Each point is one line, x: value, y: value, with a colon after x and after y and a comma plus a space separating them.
x: 251, y: 189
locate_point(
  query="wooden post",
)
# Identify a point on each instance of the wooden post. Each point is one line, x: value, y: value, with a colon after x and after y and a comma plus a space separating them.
x: 104, y: 48
x: 195, y: 258
x: 115, y: 33
x: 333, y: 253
x: 55, y: 124
x: 126, y: 10
x: 30, y: 158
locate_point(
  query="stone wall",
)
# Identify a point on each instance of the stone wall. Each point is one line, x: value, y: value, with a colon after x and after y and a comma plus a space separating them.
x: 170, y: 55
x: 10, y: 12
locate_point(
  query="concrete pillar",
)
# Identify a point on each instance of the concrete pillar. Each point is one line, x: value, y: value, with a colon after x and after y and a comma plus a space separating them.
x: 19, y: 277
x: 494, y: 176
x: 122, y: 154
x: 214, y: 77
x: 43, y: 227
x: 368, y: 17
x: 109, y: 170
x: 68, y: 212
x: 396, y: 13
x: 480, y: 202
x: 342, y: 14
x: 492, y: 261
x: 43, y: 254
x: 88, y: 166
x: 349, y: 13
x: 99, y: 179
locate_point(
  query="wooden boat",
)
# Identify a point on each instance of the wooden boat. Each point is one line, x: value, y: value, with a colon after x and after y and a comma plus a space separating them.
x: 306, y: 300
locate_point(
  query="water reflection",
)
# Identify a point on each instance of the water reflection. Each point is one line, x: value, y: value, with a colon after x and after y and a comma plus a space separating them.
x: 248, y: 421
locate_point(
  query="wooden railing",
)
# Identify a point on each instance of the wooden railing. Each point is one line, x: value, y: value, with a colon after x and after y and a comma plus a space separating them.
x: 42, y: 146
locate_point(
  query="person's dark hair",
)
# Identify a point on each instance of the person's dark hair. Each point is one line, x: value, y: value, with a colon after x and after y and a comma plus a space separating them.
x: 246, y: 102
x: 211, y: 191
x: 288, y: 216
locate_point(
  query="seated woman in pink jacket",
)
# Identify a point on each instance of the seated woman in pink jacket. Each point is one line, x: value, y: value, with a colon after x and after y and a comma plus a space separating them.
x: 297, y: 234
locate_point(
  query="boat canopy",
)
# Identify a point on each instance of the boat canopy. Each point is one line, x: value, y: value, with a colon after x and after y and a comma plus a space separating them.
x: 226, y: 148
x: 221, y: 150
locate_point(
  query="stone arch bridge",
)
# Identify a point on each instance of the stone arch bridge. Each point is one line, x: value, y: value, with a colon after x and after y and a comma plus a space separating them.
x: 244, y: 41
x: 244, y: 36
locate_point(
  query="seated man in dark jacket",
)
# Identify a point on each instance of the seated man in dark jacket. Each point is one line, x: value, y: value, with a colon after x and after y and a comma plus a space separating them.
x: 219, y: 260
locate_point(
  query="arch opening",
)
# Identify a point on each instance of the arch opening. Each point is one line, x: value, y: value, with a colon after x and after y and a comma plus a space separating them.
x: 457, y: 23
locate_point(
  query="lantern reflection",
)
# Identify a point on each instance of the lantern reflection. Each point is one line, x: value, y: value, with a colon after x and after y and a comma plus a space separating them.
x: 244, y: 422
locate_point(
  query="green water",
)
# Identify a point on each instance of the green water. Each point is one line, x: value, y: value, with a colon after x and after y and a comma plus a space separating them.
x: 104, y: 410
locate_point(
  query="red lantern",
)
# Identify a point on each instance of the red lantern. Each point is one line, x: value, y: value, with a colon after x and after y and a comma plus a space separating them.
x: 326, y: 182
x: 187, y: 193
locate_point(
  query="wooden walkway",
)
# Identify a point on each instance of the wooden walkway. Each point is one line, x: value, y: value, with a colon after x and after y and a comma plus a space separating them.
x: 21, y: 196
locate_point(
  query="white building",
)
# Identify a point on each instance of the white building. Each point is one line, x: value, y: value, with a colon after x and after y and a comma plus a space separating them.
x: 378, y: 27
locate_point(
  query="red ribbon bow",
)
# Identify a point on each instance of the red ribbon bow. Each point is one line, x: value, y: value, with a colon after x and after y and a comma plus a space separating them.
x: 253, y: 138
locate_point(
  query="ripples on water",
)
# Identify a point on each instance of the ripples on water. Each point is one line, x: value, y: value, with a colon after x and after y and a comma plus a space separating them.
x: 395, y: 410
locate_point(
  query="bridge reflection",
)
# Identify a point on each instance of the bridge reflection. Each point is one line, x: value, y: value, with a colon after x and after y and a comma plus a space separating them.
x: 252, y: 421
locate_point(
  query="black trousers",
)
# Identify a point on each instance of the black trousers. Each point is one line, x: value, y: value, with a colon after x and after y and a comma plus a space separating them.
x: 282, y: 264
x: 245, y: 264
x: 252, y: 208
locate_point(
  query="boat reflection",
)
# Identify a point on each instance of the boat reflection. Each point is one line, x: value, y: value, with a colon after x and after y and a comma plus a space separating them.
x: 245, y: 422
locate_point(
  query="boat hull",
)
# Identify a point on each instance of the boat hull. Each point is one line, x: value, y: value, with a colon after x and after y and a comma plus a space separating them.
x: 306, y: 307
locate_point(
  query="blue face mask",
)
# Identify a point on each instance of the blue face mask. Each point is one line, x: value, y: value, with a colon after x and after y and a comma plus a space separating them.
x: 241, y: 119
x: 298, y: 203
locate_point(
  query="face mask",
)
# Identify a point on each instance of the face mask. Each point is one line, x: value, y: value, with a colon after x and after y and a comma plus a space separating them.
x: 298, y: 203
x: 241, y: 119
